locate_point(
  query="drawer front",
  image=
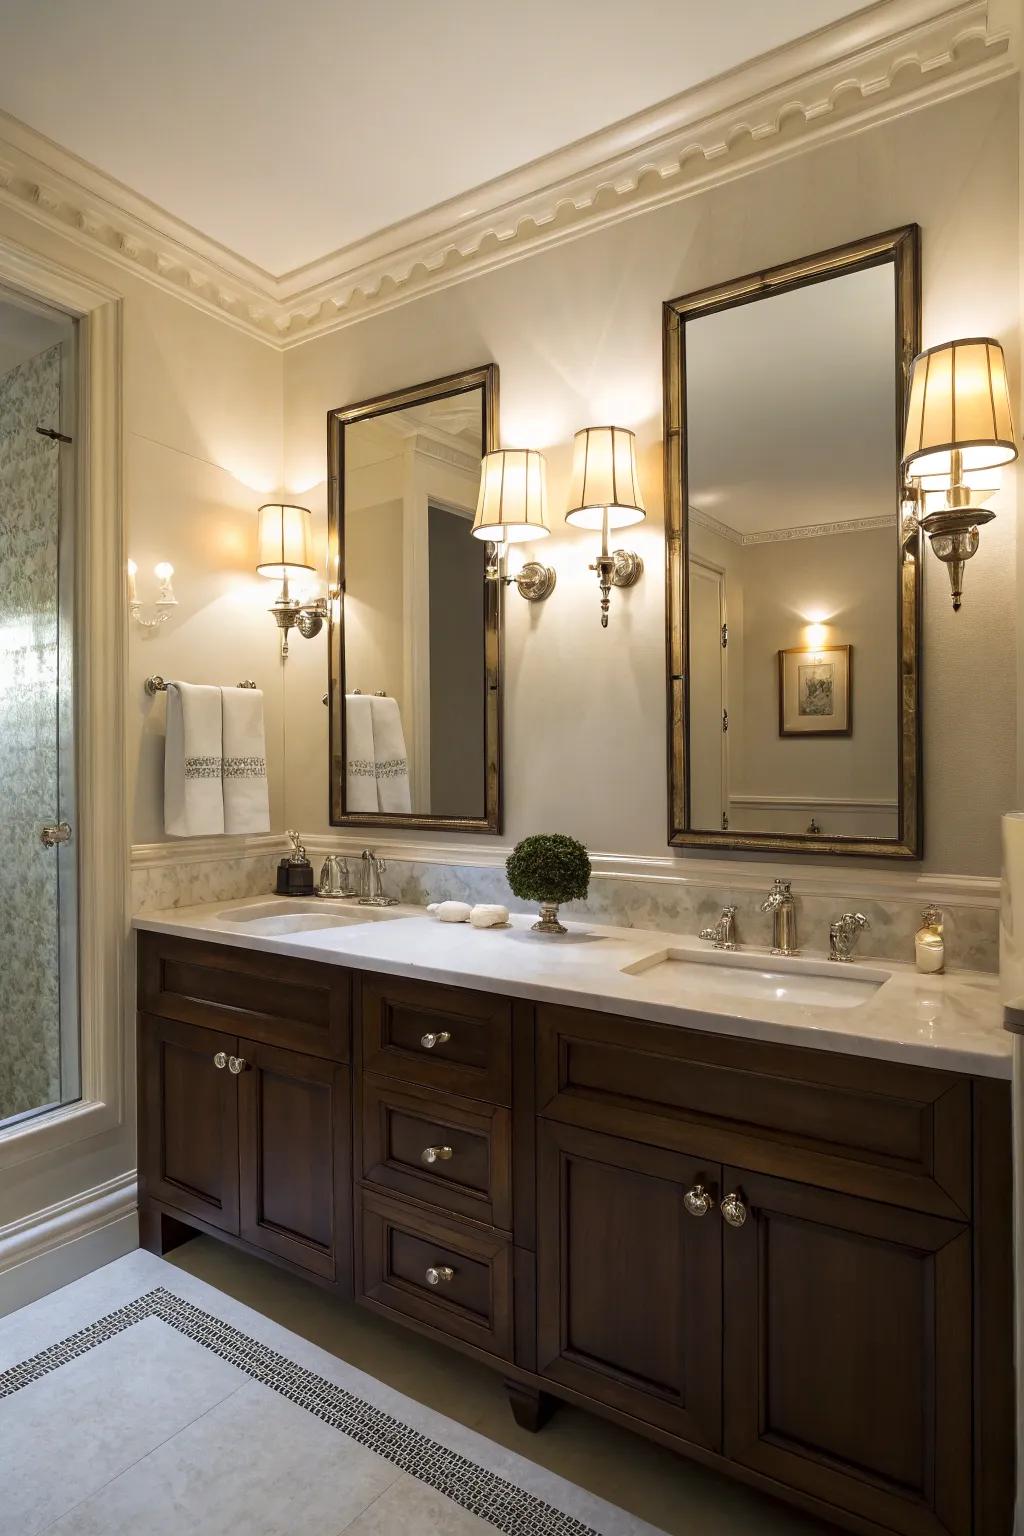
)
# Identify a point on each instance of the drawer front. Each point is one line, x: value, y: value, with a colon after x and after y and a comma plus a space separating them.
x: 880, y: 1129
x: 452, y: 1153
x: 442, y: 1037
x: 437, y: 1271
x: 298, y: 1005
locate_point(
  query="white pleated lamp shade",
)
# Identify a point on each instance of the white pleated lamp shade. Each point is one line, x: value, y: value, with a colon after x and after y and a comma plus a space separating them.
x: 959, y: 403
x: 513, y: 503
x: 284, y: 541
x: 605, y: 479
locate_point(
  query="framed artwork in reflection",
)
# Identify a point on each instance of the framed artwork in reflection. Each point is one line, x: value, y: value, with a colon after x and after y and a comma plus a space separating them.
x: 815, y: 691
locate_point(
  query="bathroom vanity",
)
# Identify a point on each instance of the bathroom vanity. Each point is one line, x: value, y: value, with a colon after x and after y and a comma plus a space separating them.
x: 775, y: 1236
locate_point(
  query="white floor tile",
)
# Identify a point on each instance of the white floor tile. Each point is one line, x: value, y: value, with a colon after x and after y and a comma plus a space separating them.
x: 255, y: 1464
x: 66, y: 1435
x: 411, y: 1509
x: 54, y: 1317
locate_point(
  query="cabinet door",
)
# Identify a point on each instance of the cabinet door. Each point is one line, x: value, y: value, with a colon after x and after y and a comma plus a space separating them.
x: 188, y: 1122
x: 294, y: 1135
x: 848, y: 1353
x: 629, y: 1283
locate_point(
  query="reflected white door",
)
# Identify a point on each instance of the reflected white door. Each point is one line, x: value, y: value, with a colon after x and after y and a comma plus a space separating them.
x: 708, y: 788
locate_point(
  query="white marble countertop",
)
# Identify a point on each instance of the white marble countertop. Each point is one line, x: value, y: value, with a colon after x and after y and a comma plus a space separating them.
x: 952, y: 1022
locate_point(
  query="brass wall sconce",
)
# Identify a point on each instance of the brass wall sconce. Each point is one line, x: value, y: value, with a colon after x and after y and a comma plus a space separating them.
x: 165, y: 601
x: 512, y: 509
x: 959, y: 428
x: 284, y: 552
x: 605, y: 494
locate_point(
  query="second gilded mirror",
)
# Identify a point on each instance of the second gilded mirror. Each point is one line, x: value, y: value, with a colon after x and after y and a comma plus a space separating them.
x: 793, y: 581
x: 415, y: 635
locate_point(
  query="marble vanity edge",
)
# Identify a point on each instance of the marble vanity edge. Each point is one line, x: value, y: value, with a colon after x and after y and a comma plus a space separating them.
x: 649, y: 895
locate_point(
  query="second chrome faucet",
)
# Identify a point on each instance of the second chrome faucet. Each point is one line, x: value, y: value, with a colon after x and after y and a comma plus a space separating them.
x: 779, y: 902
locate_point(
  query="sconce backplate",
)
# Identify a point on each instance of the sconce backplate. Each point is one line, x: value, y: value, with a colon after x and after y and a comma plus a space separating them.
x: 627, y: 568
x: 535, y: 581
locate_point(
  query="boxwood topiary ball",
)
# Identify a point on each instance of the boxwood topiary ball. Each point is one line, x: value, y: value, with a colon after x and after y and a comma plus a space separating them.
x: 549, y: 867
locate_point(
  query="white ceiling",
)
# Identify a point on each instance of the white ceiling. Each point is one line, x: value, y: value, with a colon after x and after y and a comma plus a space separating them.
x: 286, y: 131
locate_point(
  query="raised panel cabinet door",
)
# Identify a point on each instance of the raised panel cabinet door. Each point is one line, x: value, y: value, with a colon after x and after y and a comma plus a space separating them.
x: 188, y: 1120
x: 295, y: 1172
x: 848, y: 1352
x: 629, y: 1279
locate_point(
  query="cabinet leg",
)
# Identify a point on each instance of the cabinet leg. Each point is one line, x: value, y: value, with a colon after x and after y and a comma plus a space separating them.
x: 531, y: 1408
x: 159, y: 1233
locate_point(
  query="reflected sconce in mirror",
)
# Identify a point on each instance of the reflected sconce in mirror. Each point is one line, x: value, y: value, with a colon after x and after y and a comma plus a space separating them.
x: 605, y: 494
x: 512, y: 508
x: 959, y: 430
x: 163, y: 572
x: 285, y: 554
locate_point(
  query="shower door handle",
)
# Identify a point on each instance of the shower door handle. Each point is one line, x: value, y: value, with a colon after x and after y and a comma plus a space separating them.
x: 54, y: 833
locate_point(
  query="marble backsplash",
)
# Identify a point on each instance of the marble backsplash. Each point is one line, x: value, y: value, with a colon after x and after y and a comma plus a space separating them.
x: 629, y: 901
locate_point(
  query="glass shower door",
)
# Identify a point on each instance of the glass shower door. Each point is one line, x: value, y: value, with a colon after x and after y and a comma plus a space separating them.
x: 39, y: 1041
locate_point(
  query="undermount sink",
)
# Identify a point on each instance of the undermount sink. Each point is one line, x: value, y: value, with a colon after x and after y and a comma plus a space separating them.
x: 721, y: 974
x: 301, y: 917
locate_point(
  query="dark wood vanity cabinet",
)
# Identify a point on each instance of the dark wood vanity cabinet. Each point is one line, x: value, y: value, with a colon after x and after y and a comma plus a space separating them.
x: 790, y: 1264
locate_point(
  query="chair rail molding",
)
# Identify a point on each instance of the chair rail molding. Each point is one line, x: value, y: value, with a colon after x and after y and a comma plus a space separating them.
x: 893, y: 58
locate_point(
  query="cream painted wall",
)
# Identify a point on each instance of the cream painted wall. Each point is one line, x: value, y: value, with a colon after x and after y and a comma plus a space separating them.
x: 576, y: 332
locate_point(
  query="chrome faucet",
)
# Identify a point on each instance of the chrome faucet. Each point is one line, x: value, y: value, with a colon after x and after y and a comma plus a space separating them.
x: 723, y: 934
x: 844, y: 933
x: 335, y: 879
x: 371, y: 889
x: 781, y: 905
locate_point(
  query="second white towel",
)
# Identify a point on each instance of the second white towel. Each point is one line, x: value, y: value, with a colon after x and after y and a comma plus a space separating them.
x: 246, y: 797
x: 390, y: 759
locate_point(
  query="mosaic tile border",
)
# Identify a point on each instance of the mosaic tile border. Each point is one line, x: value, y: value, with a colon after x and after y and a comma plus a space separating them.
x: 483, y: 1493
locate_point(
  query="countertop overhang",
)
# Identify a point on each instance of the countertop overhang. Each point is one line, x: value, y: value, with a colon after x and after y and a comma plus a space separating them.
x: 951, y: 1022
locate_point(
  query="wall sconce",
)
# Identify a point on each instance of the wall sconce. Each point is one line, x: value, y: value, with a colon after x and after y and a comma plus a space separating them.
x: 165, y: 602
x: 513, y: 509
x: 958, y: 427
x: 284, y: 552
x: 605, y: 494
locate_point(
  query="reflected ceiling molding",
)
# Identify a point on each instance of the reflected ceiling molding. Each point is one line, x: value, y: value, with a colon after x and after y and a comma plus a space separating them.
x: 785, y: 535
x: 882, y: 63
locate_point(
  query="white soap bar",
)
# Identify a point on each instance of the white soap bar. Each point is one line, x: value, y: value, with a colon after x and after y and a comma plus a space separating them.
x: 488, y: 915
x: 450, y: 911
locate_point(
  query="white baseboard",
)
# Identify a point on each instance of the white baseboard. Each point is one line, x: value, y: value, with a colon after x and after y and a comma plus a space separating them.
x: 44, y: 1251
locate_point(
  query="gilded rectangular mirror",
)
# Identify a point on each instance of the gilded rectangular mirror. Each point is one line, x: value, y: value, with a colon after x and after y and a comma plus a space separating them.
x: 793, y: 582
x: 415, y: 634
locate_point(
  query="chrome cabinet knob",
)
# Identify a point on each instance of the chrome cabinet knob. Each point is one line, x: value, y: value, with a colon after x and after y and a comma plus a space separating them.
x: 440, y: 1274
x: 435, y: 1154
x: 698, y: 1200
x: 237, y: 1064
x: 733, y: 1209
x: 220, y: 1061
x: 429, y: 1041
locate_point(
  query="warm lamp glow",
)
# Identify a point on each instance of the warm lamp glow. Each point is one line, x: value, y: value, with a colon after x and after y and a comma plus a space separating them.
x: 163, y: 571
x: 816, y: 636
x: 605, y: 482
x: 959, y: 405
x: 513, y: 503
x: 284, y: 543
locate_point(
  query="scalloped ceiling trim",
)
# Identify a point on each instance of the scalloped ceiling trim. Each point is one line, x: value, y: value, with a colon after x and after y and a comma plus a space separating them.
x: 898, y: 58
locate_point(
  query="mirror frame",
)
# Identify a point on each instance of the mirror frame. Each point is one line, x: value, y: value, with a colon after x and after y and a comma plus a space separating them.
x: 486, y: 380
x: 901, y: 248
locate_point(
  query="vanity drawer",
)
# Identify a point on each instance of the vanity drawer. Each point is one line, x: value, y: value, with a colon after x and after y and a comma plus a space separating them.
x: 452, y: 1153
x: 438, y: 1271
x: 298, y: 1005
x: 880, y: 1129
x: 443, y: 1037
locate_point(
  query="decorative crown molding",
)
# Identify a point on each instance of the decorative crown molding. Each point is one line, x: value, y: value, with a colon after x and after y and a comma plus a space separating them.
x: 891, y: 59
x: 786, y: 535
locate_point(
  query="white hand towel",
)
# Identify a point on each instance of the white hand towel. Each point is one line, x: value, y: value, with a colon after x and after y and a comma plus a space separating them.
x: 193, y: 753
x: 390, y: 756
x: 246, y: 797
x: 361, y: 770
x: 450, y: 911
x: 488, y: 915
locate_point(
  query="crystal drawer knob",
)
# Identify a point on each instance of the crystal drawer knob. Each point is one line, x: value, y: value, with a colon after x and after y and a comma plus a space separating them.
x: 429, y: 1041
x: 436, y: 1154
x: 698, y: 1201
x: 220, y: 1061
x: 733, y: 1209
x: 440, y: 1274
x: 236, y: 1064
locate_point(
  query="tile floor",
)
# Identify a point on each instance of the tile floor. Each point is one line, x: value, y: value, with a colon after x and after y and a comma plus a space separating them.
x: 222, y: 1395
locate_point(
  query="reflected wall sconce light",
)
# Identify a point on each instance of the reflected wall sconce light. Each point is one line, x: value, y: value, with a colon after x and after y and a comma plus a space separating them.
x: 166, y: 600
x: 285, y: 554
x: 959, y: 431
x: 605, y: 494
x: 512, y: 508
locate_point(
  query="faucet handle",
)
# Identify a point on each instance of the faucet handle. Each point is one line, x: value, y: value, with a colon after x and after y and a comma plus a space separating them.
x: 855, y: 920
